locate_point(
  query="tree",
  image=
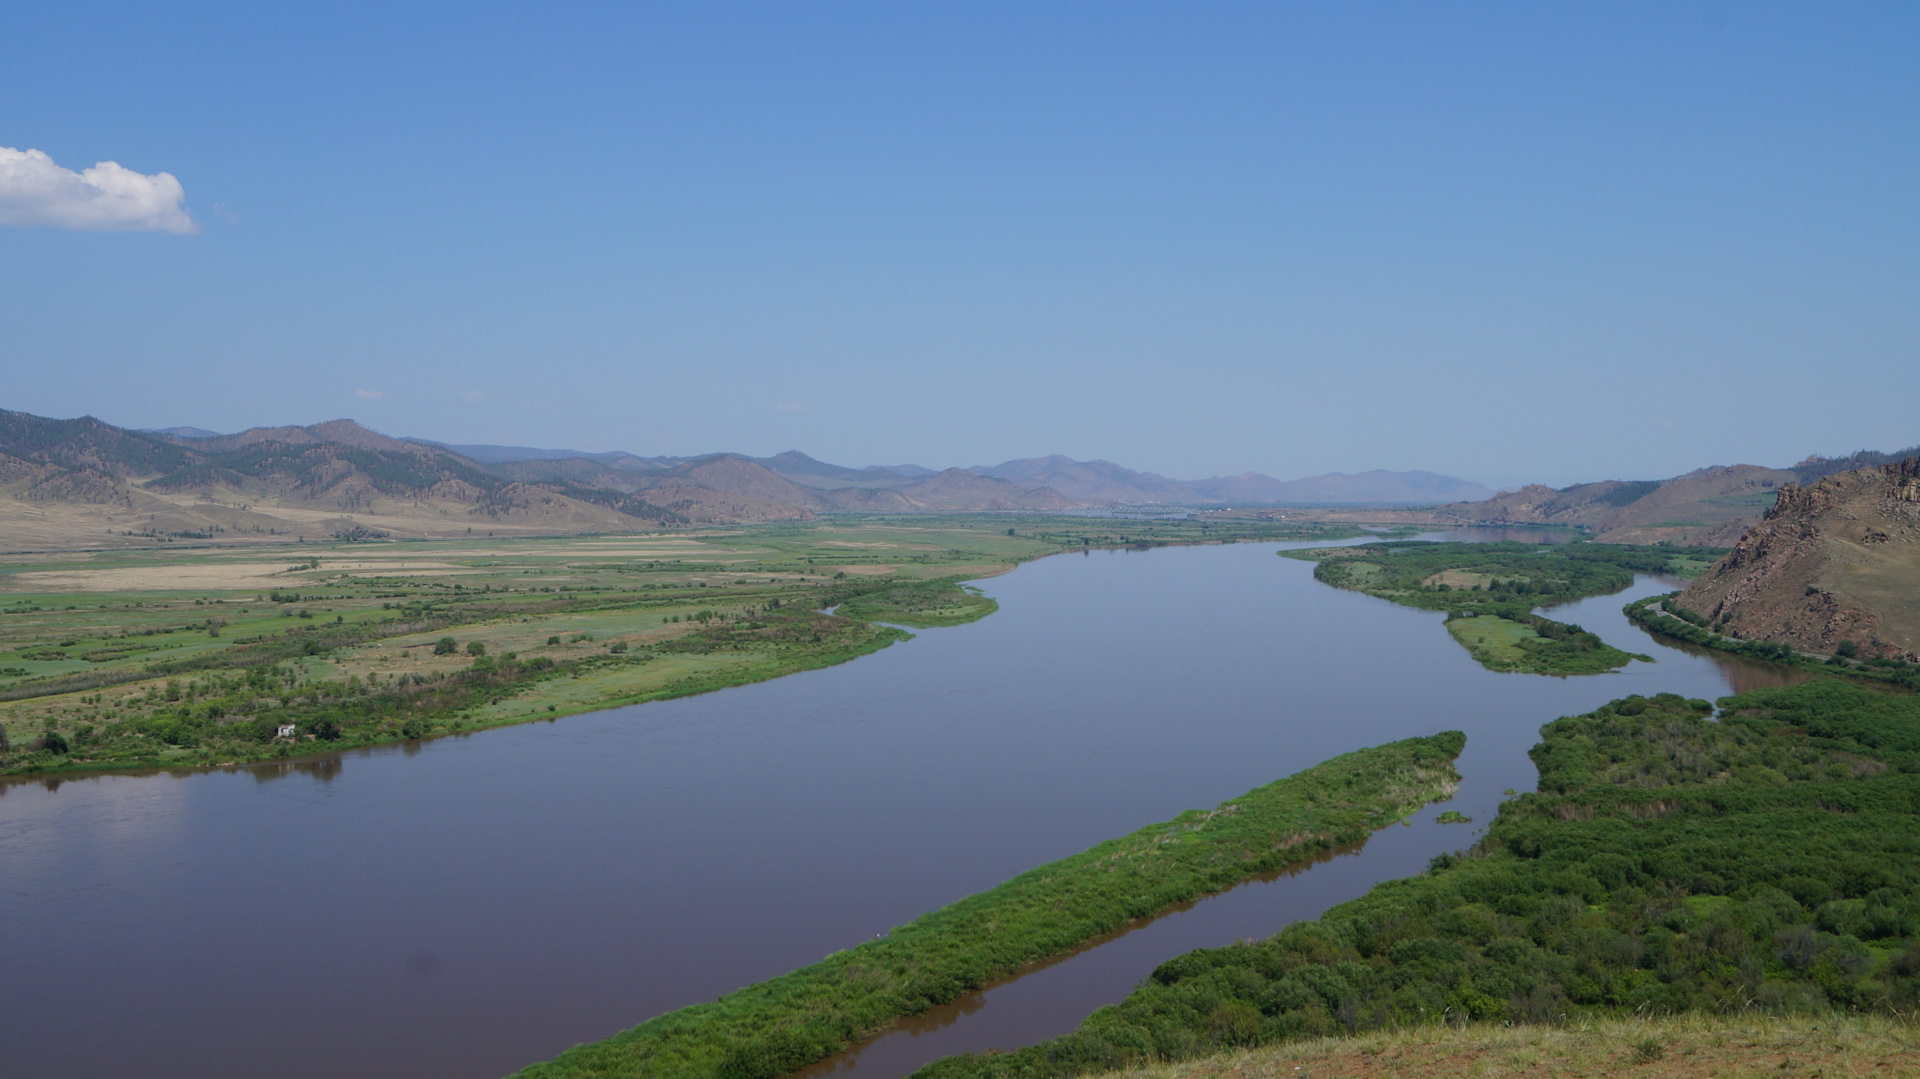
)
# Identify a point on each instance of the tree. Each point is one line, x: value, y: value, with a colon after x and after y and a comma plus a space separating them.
x: 476, y: 648
x: 445, y: 646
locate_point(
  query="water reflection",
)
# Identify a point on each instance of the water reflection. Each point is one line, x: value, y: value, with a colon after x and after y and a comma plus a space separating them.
x: 323, y: 769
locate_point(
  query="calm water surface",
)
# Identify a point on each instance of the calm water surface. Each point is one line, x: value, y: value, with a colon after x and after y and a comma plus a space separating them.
x: 470, y: 905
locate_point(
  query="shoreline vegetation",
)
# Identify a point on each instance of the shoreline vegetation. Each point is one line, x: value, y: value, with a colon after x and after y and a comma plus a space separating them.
x: 205, y: 658
x: 1671, y: 864
x: 1664, y: 616
x: 777, y: 1026
x: 1489, y: 592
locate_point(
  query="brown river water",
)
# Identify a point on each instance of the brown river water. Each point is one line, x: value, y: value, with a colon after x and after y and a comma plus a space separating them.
x: 473, y: 904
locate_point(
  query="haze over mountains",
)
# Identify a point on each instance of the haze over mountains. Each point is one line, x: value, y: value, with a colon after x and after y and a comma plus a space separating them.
x: 1709, y: 507
x: 1094, y: 482
x: 84, y: 482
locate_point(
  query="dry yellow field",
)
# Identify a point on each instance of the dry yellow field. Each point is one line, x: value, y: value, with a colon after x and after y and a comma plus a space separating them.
x: 1689, y: 1047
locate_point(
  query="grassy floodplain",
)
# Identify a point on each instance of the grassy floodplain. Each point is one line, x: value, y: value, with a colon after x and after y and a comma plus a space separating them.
x: 788, y: 1022
x: 194, y: 657
x: 1489, y: 591
x: 1764, y: 864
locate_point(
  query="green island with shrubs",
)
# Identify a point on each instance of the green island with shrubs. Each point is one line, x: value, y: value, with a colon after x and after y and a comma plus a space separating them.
x: 1489, y: 592
x: 786, y: 1023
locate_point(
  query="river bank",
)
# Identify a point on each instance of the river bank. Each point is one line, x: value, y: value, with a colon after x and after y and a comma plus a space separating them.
x: 1659, y: 614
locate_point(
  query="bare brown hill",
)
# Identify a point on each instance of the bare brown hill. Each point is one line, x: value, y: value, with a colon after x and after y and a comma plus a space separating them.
x: 1834, y: 561
x: 85, y: 483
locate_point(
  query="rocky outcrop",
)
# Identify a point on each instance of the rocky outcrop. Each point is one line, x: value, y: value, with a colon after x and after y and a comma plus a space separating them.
x: 1833, y: 561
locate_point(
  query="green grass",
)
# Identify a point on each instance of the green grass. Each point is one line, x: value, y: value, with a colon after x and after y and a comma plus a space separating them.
x: 788, y: 1022
x: 1767, y: 863
x: 1494, y: 641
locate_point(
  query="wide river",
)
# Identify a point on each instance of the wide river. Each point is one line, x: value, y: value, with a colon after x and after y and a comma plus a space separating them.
x: 473, y: 904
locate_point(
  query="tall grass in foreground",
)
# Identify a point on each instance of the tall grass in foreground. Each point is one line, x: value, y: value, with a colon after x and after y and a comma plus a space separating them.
x: 785, y: 1023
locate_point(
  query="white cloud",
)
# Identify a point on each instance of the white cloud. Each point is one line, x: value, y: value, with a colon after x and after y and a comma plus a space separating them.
x: 369, y: 395
x: 792, y: 406
x: 473, y: 397
x: 35, y: 191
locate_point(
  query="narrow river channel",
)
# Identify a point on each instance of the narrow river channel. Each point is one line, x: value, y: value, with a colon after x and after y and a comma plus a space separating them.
x: 473, y: 904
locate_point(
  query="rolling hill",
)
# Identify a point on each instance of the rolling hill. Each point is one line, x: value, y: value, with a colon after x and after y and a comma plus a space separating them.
x: 82, y: 482
x: 86, y: 483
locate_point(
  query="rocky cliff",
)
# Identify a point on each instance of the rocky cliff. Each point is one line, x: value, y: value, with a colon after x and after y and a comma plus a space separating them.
x: 1833, y: 561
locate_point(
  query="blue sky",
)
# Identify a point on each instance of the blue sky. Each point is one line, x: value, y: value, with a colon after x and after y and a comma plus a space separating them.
x: 1504, y: 241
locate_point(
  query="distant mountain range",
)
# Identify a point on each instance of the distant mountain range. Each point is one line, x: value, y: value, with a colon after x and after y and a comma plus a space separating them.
x: 1092, y: 482
x: 1711, y: 507
x: 84, y: 482
x: 87, y: 483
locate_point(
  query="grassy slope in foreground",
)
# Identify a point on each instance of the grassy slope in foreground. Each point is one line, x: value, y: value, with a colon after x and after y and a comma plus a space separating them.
x: 1663, y: 1047
x: 1765, y: 863
x: 788, y: 1022
x: 1489, y: 591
